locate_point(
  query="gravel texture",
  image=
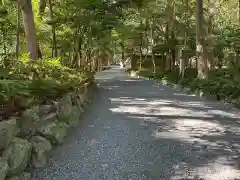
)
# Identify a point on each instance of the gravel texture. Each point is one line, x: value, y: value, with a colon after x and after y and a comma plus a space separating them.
x: 137, y: 130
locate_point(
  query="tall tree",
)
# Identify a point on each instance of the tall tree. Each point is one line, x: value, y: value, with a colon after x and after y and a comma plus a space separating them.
x: 210, y: 57
x: 201, y: 58
x: 29, y: 26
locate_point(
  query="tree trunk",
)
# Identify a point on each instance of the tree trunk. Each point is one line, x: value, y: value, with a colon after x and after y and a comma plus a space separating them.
x: 42, y: 5
x: 140, y: 47
x: 80, y: 52
x: 29, y: 26
x: 239, y: 12
x: 39, y: 53
x: 77, y: 53
x: 141, y: 54
x: 54, y: 42
x: 182, y: 63
x: 4, y: 43
x: 170, y: 57
x: 182, y: 54
x: 152, y: 45
x: 210, y: 35
x: 173, y: 53
x: 18, y: 31
x: 122, y: 53
x: 201, y: 59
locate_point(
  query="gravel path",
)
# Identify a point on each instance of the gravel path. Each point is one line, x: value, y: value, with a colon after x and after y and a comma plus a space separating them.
x: 137, y: 130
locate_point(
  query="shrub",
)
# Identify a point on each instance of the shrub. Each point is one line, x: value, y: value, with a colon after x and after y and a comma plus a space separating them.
x: 40, y: 80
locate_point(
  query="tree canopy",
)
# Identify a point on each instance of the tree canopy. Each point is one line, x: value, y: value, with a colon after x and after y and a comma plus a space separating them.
x: 90, y: 33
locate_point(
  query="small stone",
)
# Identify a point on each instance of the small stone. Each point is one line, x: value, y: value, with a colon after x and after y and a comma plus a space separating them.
x: 79, y: 102
x: 8, y: 129
x: 83, y: 101
x: 45, y: 109
x: 72, y: 118
x: 50, y: 117
x: 22, y: 176
x: 65, y: 106
x: 29, y: 121
x: 54, y: 132
x: 3, y: 168
x: 17, y: 154
x: 41, y: 150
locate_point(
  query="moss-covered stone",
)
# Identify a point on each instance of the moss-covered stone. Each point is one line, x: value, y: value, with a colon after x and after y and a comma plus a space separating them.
x: 17, y: 154
x: 29, y: 121
x: 22, y: 176
x: 41, y: 150
x: 8, y: 129
x: 3, y: 168
x: 65, y: 107
x: 54, y: 132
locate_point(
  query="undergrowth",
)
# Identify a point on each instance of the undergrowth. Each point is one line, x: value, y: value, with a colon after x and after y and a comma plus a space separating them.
x: 25, y: 82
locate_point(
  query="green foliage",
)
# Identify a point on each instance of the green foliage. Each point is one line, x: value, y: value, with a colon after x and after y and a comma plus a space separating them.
x: 42, y: 80
x: 93, y: 30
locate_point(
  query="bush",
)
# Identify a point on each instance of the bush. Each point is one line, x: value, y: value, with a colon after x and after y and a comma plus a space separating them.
x: 40, y: 80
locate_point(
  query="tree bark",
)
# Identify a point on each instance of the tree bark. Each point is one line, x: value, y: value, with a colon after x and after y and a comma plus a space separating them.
x: 173, y: 53
x: 42, y: 6
x: 141, y: 54
x: 239, y: 12
x: 18, y: 31
x: 140, y: 47
x: 168, y: 34
x: 182, y: 54
x: 29, y: 26
x: 201, y: 59
x: 54, y: 42
x: 152, y: 45
x: 210, y: 34
x: 123, y: 53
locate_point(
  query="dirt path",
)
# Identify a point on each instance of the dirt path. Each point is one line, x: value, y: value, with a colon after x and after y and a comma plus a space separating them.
x: 136, y: 130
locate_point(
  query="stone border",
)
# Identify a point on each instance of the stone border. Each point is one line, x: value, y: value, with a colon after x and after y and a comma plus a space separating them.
x: 27, y: 141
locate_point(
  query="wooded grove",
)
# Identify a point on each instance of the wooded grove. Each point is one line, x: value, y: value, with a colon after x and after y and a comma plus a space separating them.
x: 191, y: 42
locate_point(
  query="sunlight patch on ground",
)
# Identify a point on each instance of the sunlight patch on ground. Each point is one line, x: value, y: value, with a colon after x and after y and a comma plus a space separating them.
x: 218, y: 170
x: 197, y: 124
x: 175, y: 111
x: 157, y: 110
x: 190, y: 130
x: 131, y: 80
x: 112, y: 87
x: 192, y: 104
x: 183, y: 94
x: 160, y: 102
x: 122, y: 99
x: 128, y: 109
x: 158, y: 107
x: 145, y: 118
x: 222, y: 113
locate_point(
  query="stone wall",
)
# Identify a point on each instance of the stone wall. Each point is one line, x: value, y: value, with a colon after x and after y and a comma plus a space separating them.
x: 27, y: 140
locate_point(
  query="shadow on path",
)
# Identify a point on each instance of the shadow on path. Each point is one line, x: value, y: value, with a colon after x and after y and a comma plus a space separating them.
x: 140, y: 131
